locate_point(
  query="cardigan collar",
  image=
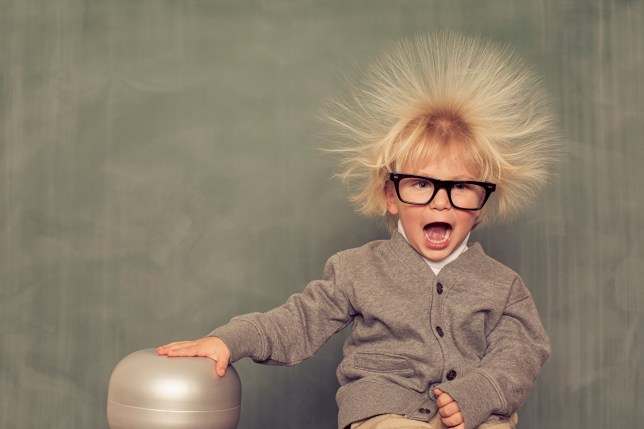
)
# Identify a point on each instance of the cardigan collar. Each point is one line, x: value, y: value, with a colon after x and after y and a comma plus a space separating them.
x: 415, y: 262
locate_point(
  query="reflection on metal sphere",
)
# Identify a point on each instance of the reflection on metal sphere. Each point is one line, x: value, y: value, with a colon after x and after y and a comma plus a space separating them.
x: 149, y: 391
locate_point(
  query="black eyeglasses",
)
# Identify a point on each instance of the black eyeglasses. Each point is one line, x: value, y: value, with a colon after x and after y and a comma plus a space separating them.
x: 462, y: 194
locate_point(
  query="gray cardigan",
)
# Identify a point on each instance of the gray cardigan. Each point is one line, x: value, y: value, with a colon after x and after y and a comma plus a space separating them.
x: 473, y: 331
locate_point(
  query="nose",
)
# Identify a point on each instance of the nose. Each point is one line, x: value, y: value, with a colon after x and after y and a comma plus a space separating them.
x: 440, y: 201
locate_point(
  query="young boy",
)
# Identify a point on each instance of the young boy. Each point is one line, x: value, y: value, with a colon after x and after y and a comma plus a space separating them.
x: 450, y: 132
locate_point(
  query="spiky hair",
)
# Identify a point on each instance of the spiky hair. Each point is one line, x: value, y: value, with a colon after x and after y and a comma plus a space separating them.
x: 434, y: 93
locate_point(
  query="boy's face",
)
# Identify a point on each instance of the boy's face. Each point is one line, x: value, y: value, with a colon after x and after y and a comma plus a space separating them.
x: 435, y: 229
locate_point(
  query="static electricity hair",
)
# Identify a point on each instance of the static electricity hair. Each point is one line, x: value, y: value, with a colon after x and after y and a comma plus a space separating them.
x: 446, y: 95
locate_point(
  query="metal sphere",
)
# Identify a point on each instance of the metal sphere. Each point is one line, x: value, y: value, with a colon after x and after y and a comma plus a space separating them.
x: 148, y: 391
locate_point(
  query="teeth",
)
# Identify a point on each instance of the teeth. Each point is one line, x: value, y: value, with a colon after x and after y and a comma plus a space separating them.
x: 448, y: 233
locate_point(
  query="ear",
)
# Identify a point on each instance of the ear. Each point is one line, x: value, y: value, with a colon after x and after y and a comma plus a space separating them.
x: 391, y: 197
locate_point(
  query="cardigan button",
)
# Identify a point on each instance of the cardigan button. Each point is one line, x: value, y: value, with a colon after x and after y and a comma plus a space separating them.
x: 451, y: 375
x: 439, y: 288
x: 424, y: 410
x: 440, y: 331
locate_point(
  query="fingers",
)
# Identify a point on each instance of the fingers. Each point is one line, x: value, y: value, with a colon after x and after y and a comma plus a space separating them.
x: 442, y: 398
x: 163, y: 350
x: 455, y: 421
x: 186, y: 350
x: 200, y: 347
x: 220, y: 367
x: 211, y: 347
x: 449, y: 409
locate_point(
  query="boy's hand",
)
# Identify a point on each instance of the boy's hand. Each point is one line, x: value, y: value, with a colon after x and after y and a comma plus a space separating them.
x: 211, y: 347
x: 449, y: 410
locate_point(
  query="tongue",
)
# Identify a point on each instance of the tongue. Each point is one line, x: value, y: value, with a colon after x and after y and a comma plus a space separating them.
x: 437, y: 231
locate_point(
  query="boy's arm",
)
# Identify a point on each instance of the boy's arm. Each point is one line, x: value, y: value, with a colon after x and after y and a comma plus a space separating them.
x: 517, y: 348
x: 294, y: 331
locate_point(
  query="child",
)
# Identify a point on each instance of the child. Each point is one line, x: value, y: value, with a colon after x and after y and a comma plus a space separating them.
x: 451, y: 132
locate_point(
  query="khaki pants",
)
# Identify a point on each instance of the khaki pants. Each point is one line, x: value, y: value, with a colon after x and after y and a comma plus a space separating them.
x: 395, y: 421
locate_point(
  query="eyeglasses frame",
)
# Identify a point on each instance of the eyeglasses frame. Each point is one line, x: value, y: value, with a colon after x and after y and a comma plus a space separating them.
x: 440, y: 184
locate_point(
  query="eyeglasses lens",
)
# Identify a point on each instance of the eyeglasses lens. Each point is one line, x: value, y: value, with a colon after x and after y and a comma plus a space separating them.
x: 463, y: 195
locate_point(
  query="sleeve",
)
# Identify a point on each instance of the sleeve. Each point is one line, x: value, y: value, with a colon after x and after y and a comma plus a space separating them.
x: 517, y: 348
x: 294, y: 331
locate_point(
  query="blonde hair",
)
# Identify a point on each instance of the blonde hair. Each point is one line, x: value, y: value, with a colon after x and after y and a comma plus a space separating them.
x: 441, y: 92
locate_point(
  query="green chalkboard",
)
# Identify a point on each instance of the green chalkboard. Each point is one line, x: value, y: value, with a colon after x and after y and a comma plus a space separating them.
x: 161, y: 172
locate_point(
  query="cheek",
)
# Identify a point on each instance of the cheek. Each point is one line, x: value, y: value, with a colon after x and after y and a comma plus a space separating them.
x: 468, y: 220
x: 411, y: 216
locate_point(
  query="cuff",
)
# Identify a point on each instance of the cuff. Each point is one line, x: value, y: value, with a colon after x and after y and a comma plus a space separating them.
x: 242, y: 339
x: 476, y: 396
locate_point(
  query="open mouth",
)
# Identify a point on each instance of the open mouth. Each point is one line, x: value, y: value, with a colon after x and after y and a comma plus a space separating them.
x: 437, y: 234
